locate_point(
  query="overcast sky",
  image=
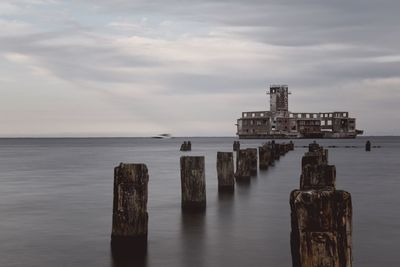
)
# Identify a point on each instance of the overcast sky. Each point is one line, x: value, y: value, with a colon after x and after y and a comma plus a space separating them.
x: 139, y: 68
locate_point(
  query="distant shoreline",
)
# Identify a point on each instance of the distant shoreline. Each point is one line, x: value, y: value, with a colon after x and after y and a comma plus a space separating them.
x: 149, y: 137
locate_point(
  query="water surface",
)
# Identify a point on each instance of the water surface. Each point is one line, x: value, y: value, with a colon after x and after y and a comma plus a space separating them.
x: 56, y: 203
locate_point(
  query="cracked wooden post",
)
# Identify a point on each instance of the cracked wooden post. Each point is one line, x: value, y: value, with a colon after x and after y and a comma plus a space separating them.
x: 252, y: 154
x: 321, y: 228
x: 368, y: 146
x: 130, y: 218
x: 264, y: 157
x: 243, y: 166
x: 226, y: 178
x: 321, y: 216
x: 193, y: 183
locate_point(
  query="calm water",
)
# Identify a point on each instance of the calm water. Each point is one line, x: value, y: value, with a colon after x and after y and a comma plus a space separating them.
x: 56, y: 203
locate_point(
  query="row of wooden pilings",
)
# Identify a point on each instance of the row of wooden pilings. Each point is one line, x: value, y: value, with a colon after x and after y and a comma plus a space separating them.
x: 321, y: 216
x: 130, y: 217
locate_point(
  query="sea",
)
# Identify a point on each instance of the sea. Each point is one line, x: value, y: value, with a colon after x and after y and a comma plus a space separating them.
x: 56, y: 199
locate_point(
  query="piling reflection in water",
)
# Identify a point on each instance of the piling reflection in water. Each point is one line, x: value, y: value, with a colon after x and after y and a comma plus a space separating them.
x: 126, y: 253
x: 193, y: 235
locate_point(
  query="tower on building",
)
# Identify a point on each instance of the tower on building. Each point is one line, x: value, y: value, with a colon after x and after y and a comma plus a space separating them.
x: 279, y: 98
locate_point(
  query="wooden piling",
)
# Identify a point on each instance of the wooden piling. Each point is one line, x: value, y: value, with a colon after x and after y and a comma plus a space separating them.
x: 368, y: 146
x: 236, y: 145
x: 186, y: 146
x: 318, y: 177
x: 320, y: 215
x: 321, y: 228
x: 291, y: 145
x: 252, y: 154
x: 264, y: 157
x: 276, y: 150
x: 193, y: 183
x: 243, y: 166
x: 130, y: 218
x: 225, y: 171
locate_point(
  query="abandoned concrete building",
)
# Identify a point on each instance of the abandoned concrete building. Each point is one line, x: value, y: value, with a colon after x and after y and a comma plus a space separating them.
x: 279, y: 122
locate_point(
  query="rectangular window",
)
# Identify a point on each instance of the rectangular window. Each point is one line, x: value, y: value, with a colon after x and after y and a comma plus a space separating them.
x: 329, y: 122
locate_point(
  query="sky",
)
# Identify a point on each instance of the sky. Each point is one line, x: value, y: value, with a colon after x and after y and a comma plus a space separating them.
x: 140, y: 68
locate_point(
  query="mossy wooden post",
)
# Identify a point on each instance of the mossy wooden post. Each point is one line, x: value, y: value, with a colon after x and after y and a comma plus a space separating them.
x: 321, y: 228
x: 264, y: 157
x: 368, y: 146
x: 243, y: 166
x: 225, y: 172
x: 252, y: 154
x: 193, y: 183
x: 130, y: 218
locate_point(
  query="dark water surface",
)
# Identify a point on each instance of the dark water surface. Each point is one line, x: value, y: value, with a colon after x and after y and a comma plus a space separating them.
x: 56, y: 203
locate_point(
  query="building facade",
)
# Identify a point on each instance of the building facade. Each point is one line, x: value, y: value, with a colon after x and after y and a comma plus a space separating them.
x: 279, y: 122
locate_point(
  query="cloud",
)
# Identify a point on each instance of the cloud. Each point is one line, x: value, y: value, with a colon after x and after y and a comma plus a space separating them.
x: 145, y: 57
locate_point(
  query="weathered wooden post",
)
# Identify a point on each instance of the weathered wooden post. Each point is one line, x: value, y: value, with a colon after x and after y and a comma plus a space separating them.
x: 276, y: 151
x: 193, y: 183
x: 252, y: 154
x: 189, y: 146
x: 225, y: 172
x: 318, y: 177
x: 282, y: 150
x: 183, y: 146
x: 130, y: 218
x: 291, y: 145
x: 243, y: 166
x: 236, y: 145
x: 321, y: 228
x: 313, y: 147
x: 236, y: 148
x: 264, y: 157
x: 320, y: 215
x: 368, y: 146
